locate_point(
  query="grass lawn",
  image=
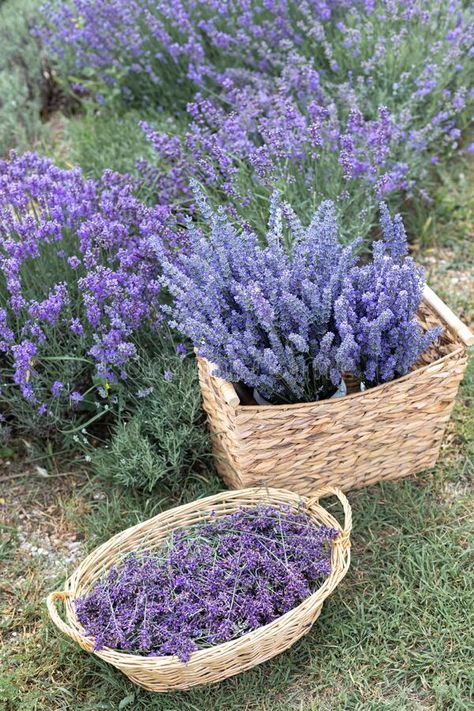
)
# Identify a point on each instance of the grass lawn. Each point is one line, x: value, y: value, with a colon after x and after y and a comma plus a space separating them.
x: 394, y: 636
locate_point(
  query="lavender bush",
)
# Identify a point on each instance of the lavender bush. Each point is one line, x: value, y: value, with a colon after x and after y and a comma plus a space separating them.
x: 209, y: 584
x: 352, y: 100
x: 269, y: 142
x: 369, y: 125
x: 79, y: 281
x: 289, y: 317
x: 151, y: 51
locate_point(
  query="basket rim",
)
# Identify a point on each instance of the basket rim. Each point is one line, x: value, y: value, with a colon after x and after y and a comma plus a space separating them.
x: 341, y: 546
x: 334, y: 402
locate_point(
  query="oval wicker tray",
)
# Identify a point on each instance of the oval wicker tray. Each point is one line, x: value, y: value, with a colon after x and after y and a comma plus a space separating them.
x: 222, y: 660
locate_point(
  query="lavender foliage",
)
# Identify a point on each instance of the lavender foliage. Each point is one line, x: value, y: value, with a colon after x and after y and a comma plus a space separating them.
x: 263, y: 313
x: 209, y: 584
x: 78, y: 281
x: 381, y: 338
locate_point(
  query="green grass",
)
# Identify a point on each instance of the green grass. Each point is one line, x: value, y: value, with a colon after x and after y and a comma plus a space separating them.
x: 100, y: 140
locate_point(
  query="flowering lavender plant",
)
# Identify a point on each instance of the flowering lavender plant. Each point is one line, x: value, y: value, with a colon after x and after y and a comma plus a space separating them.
x: 381, y: 338
x: 263, y: 314
x: 78, y: 282
x: 209, y: 584
x: 272, y: 137
x: 371, y: 124
x: 149, y: 50
x: 350, y: 100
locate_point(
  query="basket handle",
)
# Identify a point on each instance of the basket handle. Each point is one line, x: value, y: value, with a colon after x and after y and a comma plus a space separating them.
x: 225, y: 388
x: 86, y: 644
x: 334, y: 491
x: 446, y: 315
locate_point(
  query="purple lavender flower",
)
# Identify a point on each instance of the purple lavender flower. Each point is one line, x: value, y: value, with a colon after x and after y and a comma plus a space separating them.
x: 381, y: 338
x: 56, y: 388
x: 55, y: 223
x: 209, y: 584
x: 76, y: 397
x: 289, y: 317
x: 263, y: 314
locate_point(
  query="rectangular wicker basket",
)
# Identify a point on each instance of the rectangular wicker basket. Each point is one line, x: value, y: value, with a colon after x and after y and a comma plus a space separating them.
x: 387, y: 432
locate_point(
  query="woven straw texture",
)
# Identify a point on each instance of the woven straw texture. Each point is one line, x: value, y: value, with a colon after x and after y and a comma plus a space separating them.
x: 223, y: 660
x: 387, y: 432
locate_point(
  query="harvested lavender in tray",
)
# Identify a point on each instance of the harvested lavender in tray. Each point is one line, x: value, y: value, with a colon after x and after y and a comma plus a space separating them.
x: 209, y: 584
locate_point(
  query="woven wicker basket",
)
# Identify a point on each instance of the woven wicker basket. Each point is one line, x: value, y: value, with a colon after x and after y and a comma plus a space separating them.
x: 223, y: 660
x: 387, y: 432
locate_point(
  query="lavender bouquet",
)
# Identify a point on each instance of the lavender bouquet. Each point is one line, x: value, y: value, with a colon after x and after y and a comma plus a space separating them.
x: 288, y: 317
x: 209, y: 584
x: 263, y: 313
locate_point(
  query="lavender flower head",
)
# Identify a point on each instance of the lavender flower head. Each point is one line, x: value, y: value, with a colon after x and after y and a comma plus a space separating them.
x: 263, y: 313
x: 209, y: 584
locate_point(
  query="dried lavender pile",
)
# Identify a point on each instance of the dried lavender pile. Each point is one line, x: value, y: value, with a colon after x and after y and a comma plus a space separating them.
x: 209, y: 584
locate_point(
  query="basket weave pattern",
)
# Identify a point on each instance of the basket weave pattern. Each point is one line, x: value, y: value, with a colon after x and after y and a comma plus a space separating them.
x: 387, y: 432
x: 223, y: 660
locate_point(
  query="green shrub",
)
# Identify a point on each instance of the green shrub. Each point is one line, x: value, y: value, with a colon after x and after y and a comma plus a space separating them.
x: 162, y: 438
